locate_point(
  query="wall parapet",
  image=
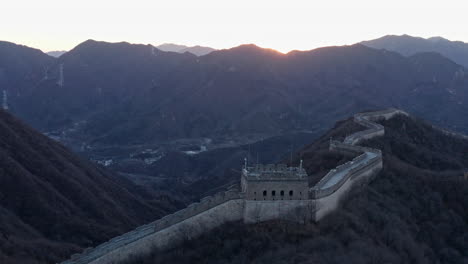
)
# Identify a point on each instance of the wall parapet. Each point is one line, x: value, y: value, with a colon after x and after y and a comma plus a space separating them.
x: 140, y: 232
x: 340, y: 146
x: 367, y: 159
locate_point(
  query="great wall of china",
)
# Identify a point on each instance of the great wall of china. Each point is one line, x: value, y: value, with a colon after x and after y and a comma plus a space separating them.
x: 231, y: 205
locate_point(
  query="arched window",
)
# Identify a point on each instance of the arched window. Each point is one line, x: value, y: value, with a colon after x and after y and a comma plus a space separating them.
x: 255, y: 195
x: 264, y: 193
x: 273, y: 193
x: 290, y: 193
x: 282, y: 193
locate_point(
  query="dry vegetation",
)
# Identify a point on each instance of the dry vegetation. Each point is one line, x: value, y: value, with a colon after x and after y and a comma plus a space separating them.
x: 53, y: 203
x: 413, y: 212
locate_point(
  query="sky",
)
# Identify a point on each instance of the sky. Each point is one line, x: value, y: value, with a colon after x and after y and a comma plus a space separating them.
x: 281, y: 25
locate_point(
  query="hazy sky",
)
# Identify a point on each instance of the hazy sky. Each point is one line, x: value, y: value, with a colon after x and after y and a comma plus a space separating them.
x: 282, y: 25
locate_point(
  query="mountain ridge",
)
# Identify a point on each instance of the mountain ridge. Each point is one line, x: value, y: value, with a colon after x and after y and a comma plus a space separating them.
x: 409, y: 45
x: 244, y: 86
x: 195, y: 50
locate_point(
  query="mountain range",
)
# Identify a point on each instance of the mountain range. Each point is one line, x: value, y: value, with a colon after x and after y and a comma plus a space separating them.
x: 456, y: 51
x: 119, y: 92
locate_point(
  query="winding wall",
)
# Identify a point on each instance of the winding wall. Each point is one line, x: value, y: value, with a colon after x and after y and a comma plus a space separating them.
x: 229, y: 206
x: 331, y: 189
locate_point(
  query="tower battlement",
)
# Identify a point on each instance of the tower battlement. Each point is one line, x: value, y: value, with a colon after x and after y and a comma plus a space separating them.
x: 274, y: 182
x: 279, y: 172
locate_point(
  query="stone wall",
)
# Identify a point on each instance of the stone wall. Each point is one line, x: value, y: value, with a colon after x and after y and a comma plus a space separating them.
x: 229, y: 206
x: 359, y: 169
x: 290, y: 210
x: 353, y: 149
x: 277, y: 190
x: 318, y: 192
x: 329, y: 203
x: 212, y: 211
x: 185, y: 230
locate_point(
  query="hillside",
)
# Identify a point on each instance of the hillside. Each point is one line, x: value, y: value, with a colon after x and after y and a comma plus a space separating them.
x: 21, y: 69
x: 408, y: 45
x: 413, y: 212
x: 54, y: 203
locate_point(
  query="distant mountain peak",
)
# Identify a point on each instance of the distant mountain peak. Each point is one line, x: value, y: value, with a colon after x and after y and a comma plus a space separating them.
x: 252, y: 49
x: 407, y: 45
x: 56, y: 53
x: 196, y: 50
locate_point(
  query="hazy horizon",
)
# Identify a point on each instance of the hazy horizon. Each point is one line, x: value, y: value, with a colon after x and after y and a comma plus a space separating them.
x: 299, y: 25
x: 191, y: 45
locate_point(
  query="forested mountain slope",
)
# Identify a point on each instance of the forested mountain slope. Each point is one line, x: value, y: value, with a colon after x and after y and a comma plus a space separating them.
x: 52, y: 203
x: 414, y: 211
x: 121, y: 93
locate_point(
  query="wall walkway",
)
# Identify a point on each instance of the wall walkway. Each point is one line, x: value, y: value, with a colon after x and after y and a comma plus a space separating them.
x: 334, y: 185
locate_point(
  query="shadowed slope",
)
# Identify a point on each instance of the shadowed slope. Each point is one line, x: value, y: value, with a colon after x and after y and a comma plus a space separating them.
x: 120, y: 93
x: 413, y: 212
x: 52, y: 199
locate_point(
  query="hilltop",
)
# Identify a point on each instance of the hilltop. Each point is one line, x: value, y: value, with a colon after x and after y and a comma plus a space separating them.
x: 413, y: 211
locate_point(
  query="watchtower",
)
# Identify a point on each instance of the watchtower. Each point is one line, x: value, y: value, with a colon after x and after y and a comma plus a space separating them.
x: 274, y: 182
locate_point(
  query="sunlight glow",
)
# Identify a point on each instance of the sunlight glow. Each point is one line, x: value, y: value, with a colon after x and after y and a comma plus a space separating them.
x: 282, y: 25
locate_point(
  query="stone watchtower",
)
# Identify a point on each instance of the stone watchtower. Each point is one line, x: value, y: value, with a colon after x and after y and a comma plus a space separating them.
x: 274, y: 182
